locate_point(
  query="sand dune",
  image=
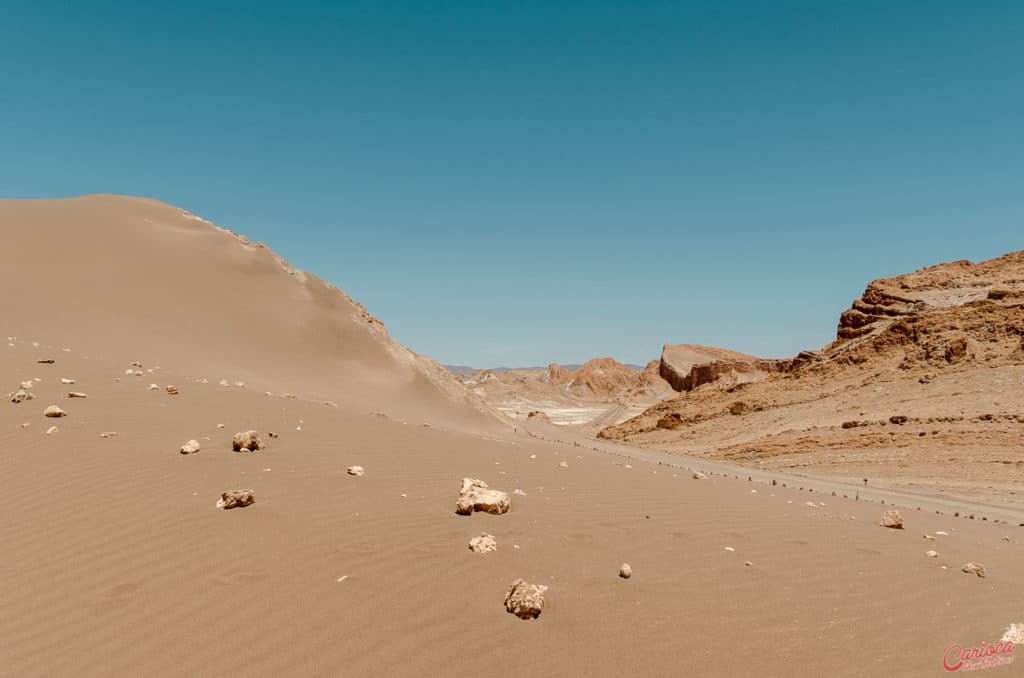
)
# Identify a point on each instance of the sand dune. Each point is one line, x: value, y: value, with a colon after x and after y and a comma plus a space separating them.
x: 118, y: 563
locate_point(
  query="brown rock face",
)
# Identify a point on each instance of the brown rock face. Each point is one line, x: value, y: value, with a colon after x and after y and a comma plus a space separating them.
x: 687, y: 366
x: 524, y: 600
x: 558, y: 375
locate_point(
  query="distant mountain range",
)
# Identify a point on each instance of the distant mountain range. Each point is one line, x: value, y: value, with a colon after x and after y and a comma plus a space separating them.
x: 463, y: 370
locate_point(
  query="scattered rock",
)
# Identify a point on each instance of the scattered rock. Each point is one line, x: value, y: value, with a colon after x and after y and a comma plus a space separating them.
x: 749, y: 563
x: 476, y: 496
x: 928, y: 537
x: 29, y: 384
x: 625, y: 571
x: 65, y: 380
x: 698, y: 475
x: 171, y: 390
x: 191, y: 447
x: 356, y: 470
x: 154, y: 387
x: 108, y: 434
x: 51, y: 430
x: 271, y: 434
x: 931, y: 554
x: 288, y: 396
x: 974, y: 568
x: 898, y: 419
x: 485, y: 543
x: 135, y: 363
x: 1014, y: 634
x: 54, y: 411
x: 563, y: 464
x: 249, y: 441
x: 236, y: 499
x: 892, y: 519
x: 524, y: 600
x: 48, y: 361
x: 77, y: 394
x: 224, y: 382
x: 21, y: 396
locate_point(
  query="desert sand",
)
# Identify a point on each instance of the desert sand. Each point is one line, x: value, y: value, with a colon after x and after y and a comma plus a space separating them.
x: 117, y: 560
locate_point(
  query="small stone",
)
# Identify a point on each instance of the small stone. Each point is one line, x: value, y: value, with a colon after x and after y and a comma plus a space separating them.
x: 524, y: 600
x: 220, y: 425
x: 224, y: 382
x: 21, y: 396
x: 892, y: 519
x: 563, y: 464
x: 51, y: 430
x: 729, y: 548
x: 171, y: 390
x: 288, y: 396
x: 108, y: 434
x: 928, y: 537
x: 249, y: 441
x: 65, y: 380
x: 625, y: 571
x: 1014, y: 634
x: 54, y: 411
x: 271, y: 434
x: 27, y: 384
x: 974, y: 568
x: 749, y: 563
x: 154, y: 387
x: 356, y: 470
x: 191, y: 447
x: 698, y: 475
x: 236, y: 499
x: 931, y: 554
x: 485, y: 543
x: 77, y: 394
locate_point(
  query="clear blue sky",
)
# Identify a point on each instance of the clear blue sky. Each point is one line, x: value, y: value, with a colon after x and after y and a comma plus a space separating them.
x: 524, y: 182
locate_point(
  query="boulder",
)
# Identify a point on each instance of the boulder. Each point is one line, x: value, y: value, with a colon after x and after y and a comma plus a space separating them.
x: 524, y: 600
x: 476, y: 496
x: 236, y: 499
x: 485, y: 543
x: 974, y: 568
x: 191, y: 447
x: 892, y: 519
x: 625, y: 571
x: 54, y: 411
x: 249, y: 441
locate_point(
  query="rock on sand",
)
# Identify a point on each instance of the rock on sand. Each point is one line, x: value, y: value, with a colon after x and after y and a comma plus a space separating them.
x: 485, y: 543
x: 236, y: 499
x: 524, y: 600
x: 249, y: 441
x: 476, y: 496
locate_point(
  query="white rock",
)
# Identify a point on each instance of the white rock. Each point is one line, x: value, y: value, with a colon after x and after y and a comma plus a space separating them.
x: 563, y: 464
x: 54, y: 411
x: 625, y: 571
x: 892, y: 519
x: 974, y: 568
x: 931, y: 554
x: 698, y: 475
x: 476, y: 496
x: 51, y: 430
x: 154, y: 387
x: 191, y: 447
x: 485, y: 543
x: 356, y: 470
x: 524, y: 600
x: 65, y: 380
x: 1014, y: 634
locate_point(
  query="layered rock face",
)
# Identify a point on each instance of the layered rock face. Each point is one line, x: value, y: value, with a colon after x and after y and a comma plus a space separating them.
x: 687, y: 366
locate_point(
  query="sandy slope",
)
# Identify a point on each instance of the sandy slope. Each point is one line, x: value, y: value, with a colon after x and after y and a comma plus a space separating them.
x: 140, y: 280
x: 116, y: 562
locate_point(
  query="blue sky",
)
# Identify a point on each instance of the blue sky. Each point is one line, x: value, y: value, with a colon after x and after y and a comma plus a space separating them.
x: 526, y: 182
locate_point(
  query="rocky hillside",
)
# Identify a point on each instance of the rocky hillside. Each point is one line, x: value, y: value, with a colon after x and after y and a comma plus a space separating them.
x: 928, y: 363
